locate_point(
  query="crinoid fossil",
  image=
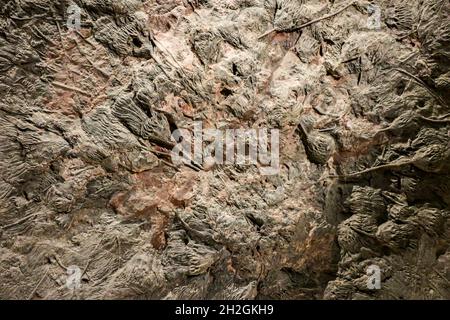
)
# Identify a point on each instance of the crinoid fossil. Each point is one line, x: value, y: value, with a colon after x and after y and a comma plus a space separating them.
x: 397, y: 236
x: 124, y: 39
x: 431, y: 220
x: 319, y: 146
x: 356, y: 232
x: 152, y: 126
x: 207, y: 45
x: 401, y: 16
x: 429, y: 152
x: 306, y: 48
x: 367, y: 200
x: 290, y: 14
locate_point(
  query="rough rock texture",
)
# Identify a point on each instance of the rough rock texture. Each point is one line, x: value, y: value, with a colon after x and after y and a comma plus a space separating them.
x: 86, y: 118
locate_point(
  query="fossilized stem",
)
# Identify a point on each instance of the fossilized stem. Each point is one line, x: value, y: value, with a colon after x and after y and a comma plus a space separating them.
x: 38, y: 285
x: 384, y: 166
x: 423, y: 84
x: 63, y: 86
x: 307, y: 24
x: 19, y: 221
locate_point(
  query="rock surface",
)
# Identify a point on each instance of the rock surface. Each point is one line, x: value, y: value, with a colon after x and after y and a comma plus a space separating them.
x: 86, y: 118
